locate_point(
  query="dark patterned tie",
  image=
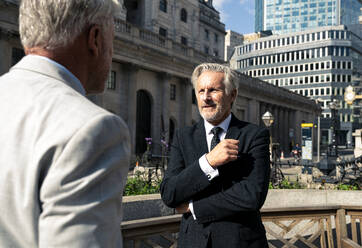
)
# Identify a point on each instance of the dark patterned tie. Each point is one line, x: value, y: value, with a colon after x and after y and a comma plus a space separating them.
x: 215, y: 140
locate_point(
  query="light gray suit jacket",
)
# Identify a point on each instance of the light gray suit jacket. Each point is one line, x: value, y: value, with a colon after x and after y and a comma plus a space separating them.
x: 63, y: 162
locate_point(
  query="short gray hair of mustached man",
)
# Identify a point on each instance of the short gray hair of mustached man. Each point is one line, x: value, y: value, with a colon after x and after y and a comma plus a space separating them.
x: 230, y: 76
x: 51, y: 24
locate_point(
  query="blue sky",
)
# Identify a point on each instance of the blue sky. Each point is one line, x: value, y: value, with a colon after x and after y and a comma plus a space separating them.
x: 238, y: 15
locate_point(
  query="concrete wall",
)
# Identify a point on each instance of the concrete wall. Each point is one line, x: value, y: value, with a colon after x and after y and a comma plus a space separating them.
x: 147, y: 206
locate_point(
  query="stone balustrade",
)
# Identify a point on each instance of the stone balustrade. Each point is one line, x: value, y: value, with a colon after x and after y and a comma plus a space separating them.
x: 292, y: 218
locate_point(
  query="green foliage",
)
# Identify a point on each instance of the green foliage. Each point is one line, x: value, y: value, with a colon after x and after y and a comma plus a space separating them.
x: 140, y: 185
x: 285, y: 184
x: 342, y: 186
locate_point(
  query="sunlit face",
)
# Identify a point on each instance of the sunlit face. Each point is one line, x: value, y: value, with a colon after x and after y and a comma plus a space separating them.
x: 213, y: 102
x: 100, y: 74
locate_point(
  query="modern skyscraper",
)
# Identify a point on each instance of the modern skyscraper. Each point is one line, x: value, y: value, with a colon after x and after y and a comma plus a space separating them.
x: 285, y: 16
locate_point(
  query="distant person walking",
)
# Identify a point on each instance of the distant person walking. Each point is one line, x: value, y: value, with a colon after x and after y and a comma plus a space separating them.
x: 63, y: 160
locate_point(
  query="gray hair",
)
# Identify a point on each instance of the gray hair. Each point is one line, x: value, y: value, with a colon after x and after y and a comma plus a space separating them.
x: 230, y: 76
x: 56, y: 23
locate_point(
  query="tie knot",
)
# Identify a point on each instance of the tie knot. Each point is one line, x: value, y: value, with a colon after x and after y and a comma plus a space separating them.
x: 216, y: 130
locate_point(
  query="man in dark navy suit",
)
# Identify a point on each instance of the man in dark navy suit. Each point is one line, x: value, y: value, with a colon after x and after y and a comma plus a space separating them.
x: 219, y: 168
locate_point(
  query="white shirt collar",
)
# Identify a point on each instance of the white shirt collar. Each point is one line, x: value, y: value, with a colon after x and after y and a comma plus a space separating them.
x: 61, y: 67
x: 224, y: 125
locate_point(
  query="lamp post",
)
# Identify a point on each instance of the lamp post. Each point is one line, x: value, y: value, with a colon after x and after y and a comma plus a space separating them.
x: 268, y: 120
x: 318, y: 101
x: 333, y: 106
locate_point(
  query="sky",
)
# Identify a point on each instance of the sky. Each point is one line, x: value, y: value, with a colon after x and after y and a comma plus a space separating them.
x: 238, y: 15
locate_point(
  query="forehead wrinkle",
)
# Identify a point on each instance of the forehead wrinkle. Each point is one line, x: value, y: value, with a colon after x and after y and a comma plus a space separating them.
x: 208, y: 79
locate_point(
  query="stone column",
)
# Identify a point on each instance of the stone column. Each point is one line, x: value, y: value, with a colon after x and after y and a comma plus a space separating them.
x: 297, y: 122
x: 255, y: 112
x: 282, y: 129
x: 132, y: 103
x: 165, y: 101
x: 288, y: 127
x: 123, y: 91
x: 184, y: 103
x: 188, y: 102
x: 276, y: 124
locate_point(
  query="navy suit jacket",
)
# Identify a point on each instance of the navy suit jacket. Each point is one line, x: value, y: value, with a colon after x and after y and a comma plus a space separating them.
x: 227, y: 207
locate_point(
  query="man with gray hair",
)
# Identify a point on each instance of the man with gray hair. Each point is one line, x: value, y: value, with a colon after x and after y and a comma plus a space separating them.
x: 63, y: 160
x: 218, y: 173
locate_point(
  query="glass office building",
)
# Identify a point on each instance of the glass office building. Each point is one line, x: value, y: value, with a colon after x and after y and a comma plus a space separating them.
x: 285, y: 16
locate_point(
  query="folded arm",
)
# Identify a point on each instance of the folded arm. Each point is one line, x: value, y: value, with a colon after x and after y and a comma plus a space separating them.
x: 248, y: 194
x: 181, y: 182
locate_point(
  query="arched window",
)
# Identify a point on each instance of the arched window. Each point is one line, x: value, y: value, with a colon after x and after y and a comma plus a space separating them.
x: 143, y: 120
x: 163, y: 5
x: 183, y: 15
x: 171, y: 132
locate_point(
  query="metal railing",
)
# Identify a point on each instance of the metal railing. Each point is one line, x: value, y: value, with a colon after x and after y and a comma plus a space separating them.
x: 324, y: 227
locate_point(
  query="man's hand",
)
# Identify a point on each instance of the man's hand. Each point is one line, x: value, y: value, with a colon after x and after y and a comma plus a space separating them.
x: 224, y: 152
x: 183, y: 208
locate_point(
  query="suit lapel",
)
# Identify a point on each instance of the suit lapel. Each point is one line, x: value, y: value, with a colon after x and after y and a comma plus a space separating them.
x: 200, y: 139
x: 235, y: 128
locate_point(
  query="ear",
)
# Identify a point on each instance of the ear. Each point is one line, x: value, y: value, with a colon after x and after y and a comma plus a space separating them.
x: 233, y: 95
x: 95, y: 40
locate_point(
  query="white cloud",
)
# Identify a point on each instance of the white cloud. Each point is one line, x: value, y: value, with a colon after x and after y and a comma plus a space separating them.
x: 224, y: 16
x: 218, y: 4
x: 251, y: 11
x: 250, y: 2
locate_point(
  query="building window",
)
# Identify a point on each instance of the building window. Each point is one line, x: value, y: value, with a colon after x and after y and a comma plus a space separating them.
x: 163, y: 5
x: 16, y: 55
x: 216, y: 38
x: 183, y: 15
x: 207, y: 35
x: 173, y: 92
x: 184, y: 41
x: 216, y: 53
x: 111, y: 81
x: 162, y: 32
x: 206, y: 49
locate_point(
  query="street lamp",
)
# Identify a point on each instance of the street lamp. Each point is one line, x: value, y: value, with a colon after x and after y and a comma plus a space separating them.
x: 268, y: 120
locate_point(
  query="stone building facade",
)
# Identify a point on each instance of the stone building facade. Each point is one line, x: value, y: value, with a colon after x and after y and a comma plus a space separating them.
x: 149, y: 84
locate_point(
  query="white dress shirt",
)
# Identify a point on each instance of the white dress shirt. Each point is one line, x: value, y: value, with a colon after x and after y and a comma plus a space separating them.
x: 209, y: 171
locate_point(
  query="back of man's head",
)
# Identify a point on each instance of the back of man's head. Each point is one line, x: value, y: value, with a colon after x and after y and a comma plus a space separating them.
x: 51, y: 24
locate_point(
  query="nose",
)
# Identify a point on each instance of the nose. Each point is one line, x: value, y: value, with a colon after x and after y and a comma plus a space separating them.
x: 205, y: 95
